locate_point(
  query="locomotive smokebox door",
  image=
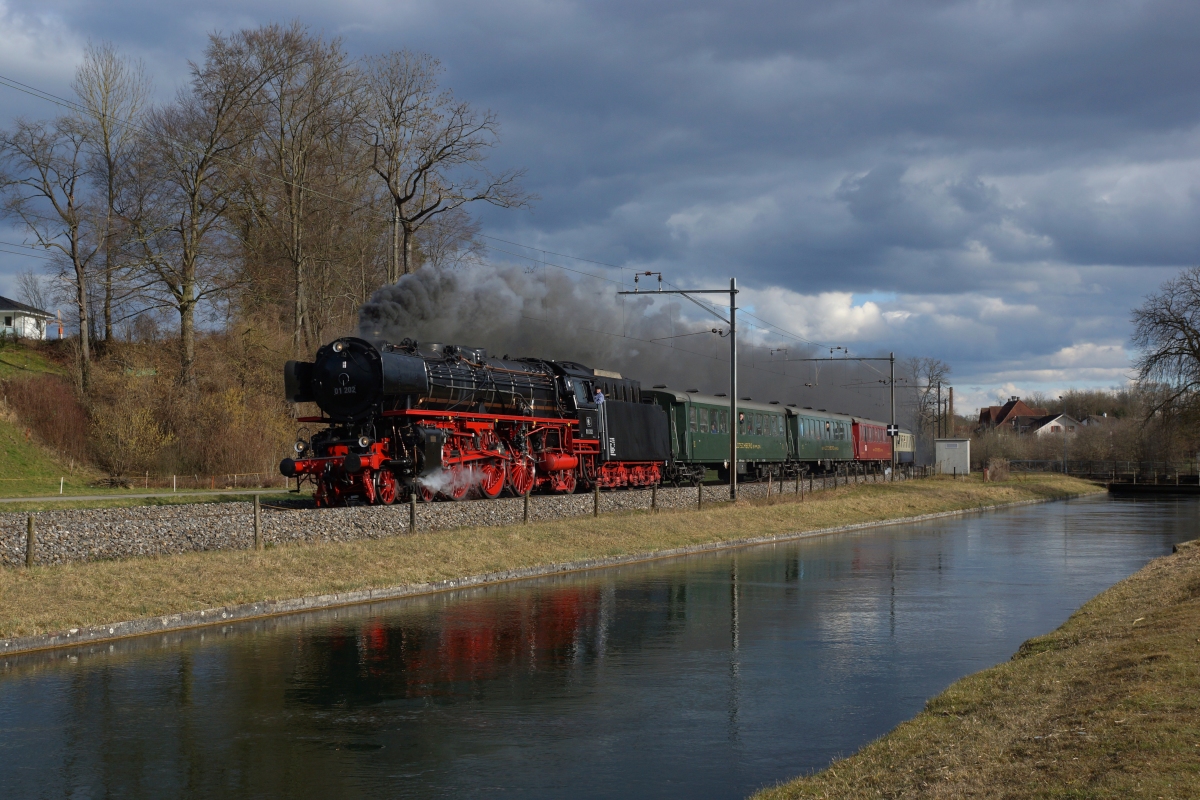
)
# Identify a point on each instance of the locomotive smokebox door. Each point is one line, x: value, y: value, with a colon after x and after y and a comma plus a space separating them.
x: 589, y: 424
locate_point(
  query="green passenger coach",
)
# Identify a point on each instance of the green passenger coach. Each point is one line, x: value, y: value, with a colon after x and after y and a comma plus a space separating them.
x: 700, y: 435
x: 820, y: 437
x: 782, y: 441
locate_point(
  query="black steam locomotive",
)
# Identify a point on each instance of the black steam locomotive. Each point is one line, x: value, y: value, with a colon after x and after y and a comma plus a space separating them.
x: 448, y: 421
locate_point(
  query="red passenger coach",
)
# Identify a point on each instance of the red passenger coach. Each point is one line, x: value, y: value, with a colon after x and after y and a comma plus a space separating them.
x: 871, y: 442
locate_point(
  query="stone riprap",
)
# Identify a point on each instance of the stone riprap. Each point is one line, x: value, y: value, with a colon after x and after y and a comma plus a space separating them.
x: 93, y: 534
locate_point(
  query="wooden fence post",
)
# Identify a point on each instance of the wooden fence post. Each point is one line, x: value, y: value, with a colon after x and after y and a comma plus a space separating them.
x: 699, y: 496
x: 30, y: 542
x: 412, y: 510
x: 596, y: 499
x: 526, y: 495
x: 258, y: 539
x: 654, y: 498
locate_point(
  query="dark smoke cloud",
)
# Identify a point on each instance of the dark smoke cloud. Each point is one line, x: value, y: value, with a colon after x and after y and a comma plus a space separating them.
x: 513, y: 311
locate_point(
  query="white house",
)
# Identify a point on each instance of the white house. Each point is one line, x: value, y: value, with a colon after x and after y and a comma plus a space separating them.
x: 21, y: 320
x: 1055, y: 424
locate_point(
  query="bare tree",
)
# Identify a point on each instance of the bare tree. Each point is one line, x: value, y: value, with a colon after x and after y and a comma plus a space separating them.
x: 43, y: 177
x: 114, y: 91
x: 32, y: 288
x: 428, y: 149
x: 195, y: 146
x: 302, y: 132
x: 450, y: 240
x: 1166, y: 329
x: 926, y: 374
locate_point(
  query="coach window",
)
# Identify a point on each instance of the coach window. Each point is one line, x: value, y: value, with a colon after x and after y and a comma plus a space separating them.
x: 724, y: 422
x: 692, y: 419
x: 758, y: 424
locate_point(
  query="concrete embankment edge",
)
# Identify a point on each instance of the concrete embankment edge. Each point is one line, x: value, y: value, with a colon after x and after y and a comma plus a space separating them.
x: 273, y: 608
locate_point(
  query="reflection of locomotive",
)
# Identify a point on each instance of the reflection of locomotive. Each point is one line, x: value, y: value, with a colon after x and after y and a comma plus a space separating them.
x: 449, y: 420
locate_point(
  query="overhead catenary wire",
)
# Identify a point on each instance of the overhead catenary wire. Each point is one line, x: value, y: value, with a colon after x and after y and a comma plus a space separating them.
x: 26, y: 255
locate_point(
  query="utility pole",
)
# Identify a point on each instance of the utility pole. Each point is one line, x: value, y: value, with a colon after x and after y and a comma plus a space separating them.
x: 732, y: 323
x: 939, y: 410
x: 892, y: 429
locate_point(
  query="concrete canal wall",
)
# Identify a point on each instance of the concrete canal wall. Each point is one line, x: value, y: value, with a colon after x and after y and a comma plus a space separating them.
x: 92, y: 534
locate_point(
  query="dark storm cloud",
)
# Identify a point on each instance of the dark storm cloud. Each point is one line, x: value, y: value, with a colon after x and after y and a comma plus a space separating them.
x: 1037, y: 156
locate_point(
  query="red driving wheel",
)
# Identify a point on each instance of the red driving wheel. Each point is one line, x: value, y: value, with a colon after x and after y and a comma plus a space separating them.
x: 521, y: 475
x: 491, y: 480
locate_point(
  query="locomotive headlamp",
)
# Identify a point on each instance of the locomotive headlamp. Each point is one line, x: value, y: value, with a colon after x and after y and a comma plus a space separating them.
x: 338, y: 347
x: 300, y: 446
x: 364, y: 442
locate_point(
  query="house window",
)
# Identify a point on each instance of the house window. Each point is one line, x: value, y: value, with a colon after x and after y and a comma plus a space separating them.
x: 8, y: 322
x: 1055, y: 429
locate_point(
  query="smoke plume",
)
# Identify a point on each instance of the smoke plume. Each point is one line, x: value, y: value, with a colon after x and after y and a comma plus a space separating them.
x: 662, y: 339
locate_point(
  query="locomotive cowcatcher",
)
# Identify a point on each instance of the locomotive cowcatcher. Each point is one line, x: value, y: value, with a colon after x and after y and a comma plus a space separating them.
x: 448, y: 421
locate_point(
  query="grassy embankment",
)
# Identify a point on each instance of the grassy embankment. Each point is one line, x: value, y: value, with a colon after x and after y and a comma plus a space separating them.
x: 1107, y: 706
x: 54, y: 598
x: 28, y: 469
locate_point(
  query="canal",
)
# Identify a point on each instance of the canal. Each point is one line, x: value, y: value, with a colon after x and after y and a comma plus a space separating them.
x: 707, y: 676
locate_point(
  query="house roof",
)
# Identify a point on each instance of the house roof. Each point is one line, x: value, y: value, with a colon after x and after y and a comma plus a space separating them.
x: 12, y: 305
x: 1015, y: 407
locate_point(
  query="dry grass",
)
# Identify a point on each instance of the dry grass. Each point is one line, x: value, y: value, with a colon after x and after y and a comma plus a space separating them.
x: 54, y: 598
x: 1107, y: 706
x: 118, y: 501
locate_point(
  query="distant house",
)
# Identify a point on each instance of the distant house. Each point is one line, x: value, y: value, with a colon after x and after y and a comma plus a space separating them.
x: 1014, y: 415
x: 21, y: 320
x: 1054, y: 424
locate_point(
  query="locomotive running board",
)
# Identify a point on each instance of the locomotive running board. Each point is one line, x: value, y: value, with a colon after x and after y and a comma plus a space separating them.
x: 426, y: 413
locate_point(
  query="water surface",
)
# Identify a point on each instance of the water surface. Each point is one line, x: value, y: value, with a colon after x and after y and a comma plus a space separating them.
x: 705, y: 676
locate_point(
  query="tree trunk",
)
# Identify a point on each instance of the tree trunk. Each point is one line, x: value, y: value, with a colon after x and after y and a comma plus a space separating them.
x: 394, y: 263
x: 108, y: 270
x: 187, y: 324
x: 81, y: 300
x: 187, y: 344
x: 408, y: 251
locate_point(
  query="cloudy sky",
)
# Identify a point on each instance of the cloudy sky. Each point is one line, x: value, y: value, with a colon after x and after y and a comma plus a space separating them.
x: 992, y: 183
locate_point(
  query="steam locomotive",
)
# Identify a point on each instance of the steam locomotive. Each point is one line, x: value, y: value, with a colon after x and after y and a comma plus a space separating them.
x: 448, y: 421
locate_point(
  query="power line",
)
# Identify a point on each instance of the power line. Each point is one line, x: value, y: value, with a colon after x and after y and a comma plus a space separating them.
x: 27, y: 255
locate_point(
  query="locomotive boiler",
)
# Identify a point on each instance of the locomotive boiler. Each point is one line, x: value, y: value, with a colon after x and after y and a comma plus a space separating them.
x: 450, y: 421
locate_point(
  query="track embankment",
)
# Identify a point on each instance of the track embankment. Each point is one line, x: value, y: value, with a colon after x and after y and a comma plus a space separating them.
x: 1107, y: 706
x: 62, y: 604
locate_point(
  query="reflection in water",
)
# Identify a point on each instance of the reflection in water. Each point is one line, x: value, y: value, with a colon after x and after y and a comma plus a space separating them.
x: 706, y: 676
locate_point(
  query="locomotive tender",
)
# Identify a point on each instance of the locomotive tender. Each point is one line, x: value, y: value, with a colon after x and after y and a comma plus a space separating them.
x: 448, y: 421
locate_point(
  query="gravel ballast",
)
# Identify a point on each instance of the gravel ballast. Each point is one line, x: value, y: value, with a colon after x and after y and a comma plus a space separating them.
x: 93, y: 534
